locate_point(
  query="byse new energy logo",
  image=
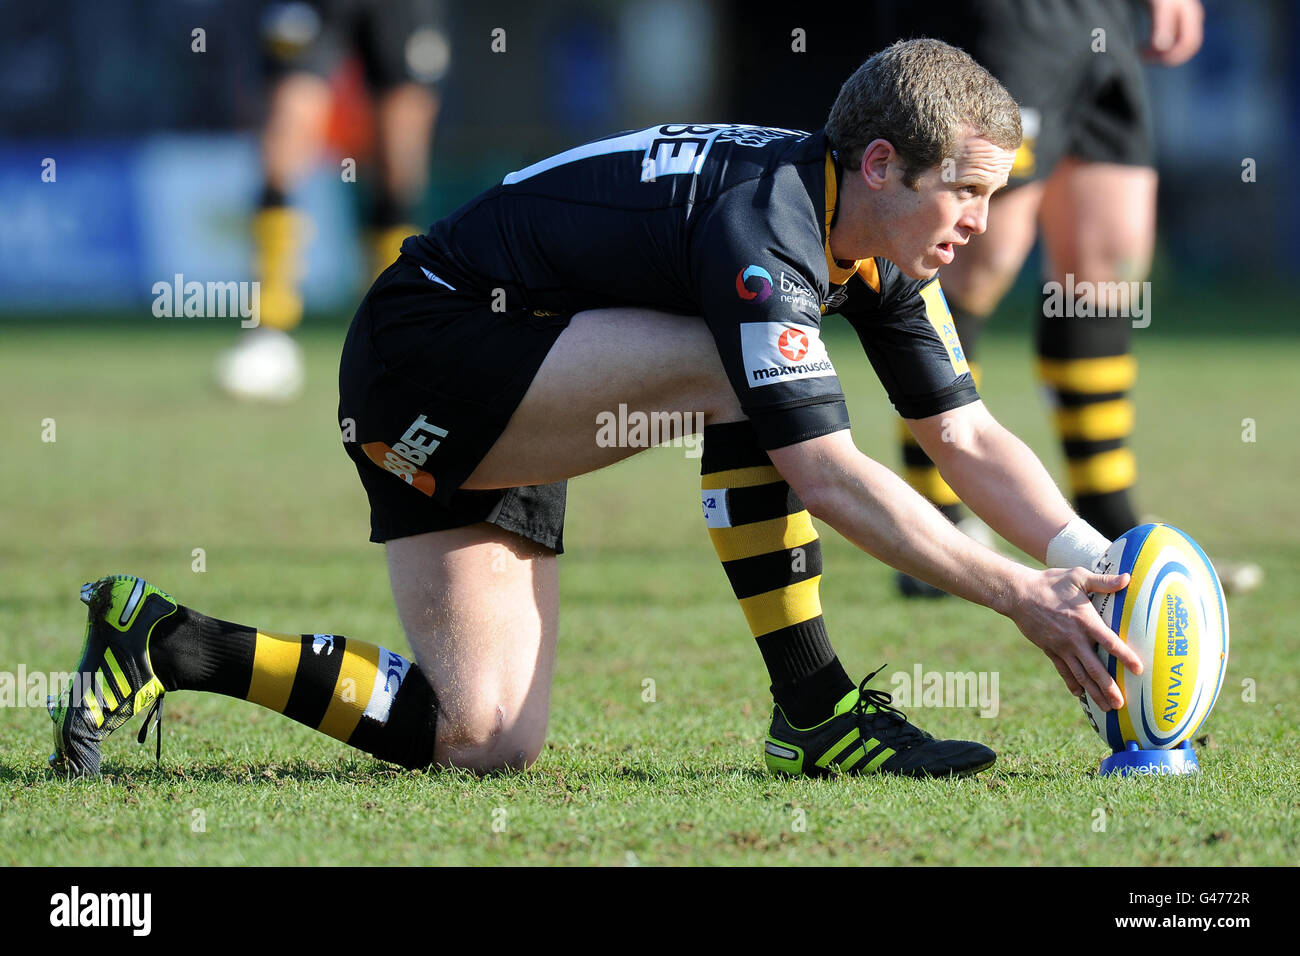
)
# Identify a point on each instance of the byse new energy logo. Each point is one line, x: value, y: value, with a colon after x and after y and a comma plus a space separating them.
x: 755, y: 284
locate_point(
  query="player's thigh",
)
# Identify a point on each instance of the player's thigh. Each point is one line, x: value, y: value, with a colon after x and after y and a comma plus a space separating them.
x: 984, y: 270
x: 651, y: 362
x: 480, y: 608
x: 1098, y: 220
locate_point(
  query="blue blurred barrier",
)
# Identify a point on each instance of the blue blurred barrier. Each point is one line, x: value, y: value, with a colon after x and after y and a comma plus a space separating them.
x: 118, y: 217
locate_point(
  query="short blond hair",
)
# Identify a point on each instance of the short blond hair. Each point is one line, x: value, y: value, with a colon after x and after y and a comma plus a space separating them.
x: 919, y: 95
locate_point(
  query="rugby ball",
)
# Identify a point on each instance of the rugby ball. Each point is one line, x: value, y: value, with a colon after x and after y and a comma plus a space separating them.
x: 1173, y: 614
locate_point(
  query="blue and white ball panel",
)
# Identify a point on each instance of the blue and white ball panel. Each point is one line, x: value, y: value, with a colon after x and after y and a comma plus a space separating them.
x: 1173, y: 614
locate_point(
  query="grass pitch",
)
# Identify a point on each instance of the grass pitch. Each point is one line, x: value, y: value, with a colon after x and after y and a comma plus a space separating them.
x: 149, y: 464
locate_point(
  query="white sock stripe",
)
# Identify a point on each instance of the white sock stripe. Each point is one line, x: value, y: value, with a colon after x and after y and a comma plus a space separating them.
x: 716, y: 513
x: 388, y: 681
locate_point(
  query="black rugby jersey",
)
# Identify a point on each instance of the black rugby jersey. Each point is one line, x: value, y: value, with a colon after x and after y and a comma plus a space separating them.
x: 726, y: 222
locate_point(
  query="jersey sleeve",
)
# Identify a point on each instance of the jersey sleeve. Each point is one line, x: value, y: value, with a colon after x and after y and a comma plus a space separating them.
x: 756, y: 280
x: 910, y: 339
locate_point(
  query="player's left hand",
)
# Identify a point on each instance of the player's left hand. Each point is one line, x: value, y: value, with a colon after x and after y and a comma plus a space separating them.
x: 1176, y: 31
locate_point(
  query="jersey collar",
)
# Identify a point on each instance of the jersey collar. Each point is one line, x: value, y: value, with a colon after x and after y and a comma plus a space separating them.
x: 841, y: 274
x: 838, y: 274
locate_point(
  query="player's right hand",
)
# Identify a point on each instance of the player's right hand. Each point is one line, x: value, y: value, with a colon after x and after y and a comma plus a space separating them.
x: 1053, y: 610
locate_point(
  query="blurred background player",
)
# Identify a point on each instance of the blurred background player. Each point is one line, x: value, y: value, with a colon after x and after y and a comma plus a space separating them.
x: 329, y: 62
x: 1084, y: 180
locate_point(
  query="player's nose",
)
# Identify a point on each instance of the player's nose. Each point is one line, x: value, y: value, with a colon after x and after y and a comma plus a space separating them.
x: 976, y: 216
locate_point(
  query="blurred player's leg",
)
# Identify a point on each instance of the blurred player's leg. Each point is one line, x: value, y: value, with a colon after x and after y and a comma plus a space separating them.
x: 301, y: 47
x: 405, y: 52
x: 291, y: 146
x: 1098, y: 223
x: 266, y: 364
x: 405, y: 118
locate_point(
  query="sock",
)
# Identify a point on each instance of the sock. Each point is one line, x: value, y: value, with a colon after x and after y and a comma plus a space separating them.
x: 1088, y: 370
x: 388, y: 223
x: 387, y: 210
x: 361, y: 694
x: 918, y: 470
x: 279, y: 232
x: 272, y: 196
x: 772, y: 555
x: 384, y: 245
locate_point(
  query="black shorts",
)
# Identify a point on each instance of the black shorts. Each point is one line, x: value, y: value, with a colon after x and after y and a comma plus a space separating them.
x: 1075, y: 100
x: 428, y: 381
x: 398, y: 41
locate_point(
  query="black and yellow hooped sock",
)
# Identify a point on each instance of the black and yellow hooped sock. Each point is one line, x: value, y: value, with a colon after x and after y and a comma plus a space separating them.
x: 388, y: 222
x: 364, y: 695
x: 1088, y: 368
x: 279, y: 237
x: 772, y: 555
x: 918, y: 470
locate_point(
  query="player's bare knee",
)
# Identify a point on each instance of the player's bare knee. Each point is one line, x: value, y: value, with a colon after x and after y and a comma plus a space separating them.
x: 487, y: 740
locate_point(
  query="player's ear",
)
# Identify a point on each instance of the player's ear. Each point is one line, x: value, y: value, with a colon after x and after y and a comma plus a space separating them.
x: 876, y: 160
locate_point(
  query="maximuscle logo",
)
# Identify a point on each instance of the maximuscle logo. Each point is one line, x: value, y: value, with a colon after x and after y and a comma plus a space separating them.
x: 754, y: 284
x: 782, y: 352
x: 793, y: 344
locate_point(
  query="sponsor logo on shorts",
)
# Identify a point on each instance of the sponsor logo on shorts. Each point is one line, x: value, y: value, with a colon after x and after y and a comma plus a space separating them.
x: 754, y: 284
x: 781, y: 352
x: 391, y: 461
x: 404, y: 458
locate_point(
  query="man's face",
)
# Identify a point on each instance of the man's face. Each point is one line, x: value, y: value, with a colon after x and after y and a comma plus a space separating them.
x: 923, y: 226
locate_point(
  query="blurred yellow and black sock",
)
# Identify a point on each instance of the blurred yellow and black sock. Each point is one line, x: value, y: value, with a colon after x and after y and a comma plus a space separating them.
x: 389, y: 223
x: 279, y: 235
x: 772, y: 555
x: 384, y: 244
x: 364, y: 695
x: 1087, y: 367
